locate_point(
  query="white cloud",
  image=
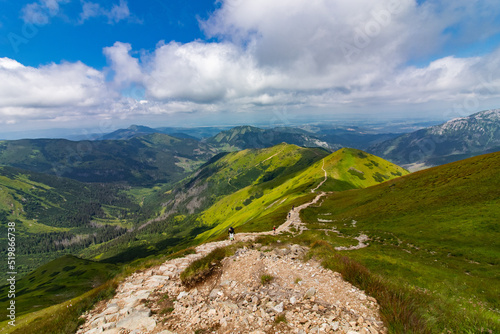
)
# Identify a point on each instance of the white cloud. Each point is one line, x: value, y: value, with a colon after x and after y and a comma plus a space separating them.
x: 344, y: 52
x: 46, y: 90
x: 117, y: 13
x: 318, y: 52
x: 126, y: 68
x: 42, y: 11
x: 203, y: 73
x: 304, y: 54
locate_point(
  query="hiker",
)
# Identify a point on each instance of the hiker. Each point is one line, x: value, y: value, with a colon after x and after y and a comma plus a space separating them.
x: 293, y: 207
x: 231, y: 233
x: 274, y: 229
x: 289, y: 214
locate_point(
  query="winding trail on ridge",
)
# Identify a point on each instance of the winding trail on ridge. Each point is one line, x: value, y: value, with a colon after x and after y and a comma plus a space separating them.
x: 324, y: 180
x: 293, y: 217
x: 312, y: 298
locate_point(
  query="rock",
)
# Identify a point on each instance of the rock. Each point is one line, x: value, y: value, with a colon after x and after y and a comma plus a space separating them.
x: 310, y: 293
x: 335, y: 325
x: 135, y: 300
x: 182, y: 295
x: 278, y: 308
x: 112, y: 308
x: 214, y: 293
x: 98, y: 322
x: 111, y: 331
x: 94, y: 331
x: 239, y: 304
x: 110, y: 325
x: 139, y: 320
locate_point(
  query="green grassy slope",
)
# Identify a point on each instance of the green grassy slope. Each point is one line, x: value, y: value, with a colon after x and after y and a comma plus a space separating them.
x: 346, y: 169
x: 222, y: 176
x: 56, y: 282
x: 435, y: 231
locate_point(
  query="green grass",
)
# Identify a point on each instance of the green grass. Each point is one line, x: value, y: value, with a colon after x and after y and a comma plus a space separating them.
x: 434, y: 233
x: 266, y: 279
x: 62, y: 318
x: 280, y: 318
x: 55, y: 282
x: 400, y: 308
x: 281, y: 193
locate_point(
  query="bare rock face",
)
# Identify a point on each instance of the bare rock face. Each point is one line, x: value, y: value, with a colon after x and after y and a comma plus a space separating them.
x: 300, y: 297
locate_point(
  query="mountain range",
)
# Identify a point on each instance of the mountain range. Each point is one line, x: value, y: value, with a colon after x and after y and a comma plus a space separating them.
x: 454, y: 140
x: 142, y: 160
x: 138, y: 195
x: 423, y: 227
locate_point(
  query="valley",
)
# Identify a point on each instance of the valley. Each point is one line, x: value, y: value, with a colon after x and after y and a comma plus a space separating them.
x: 428, y: 236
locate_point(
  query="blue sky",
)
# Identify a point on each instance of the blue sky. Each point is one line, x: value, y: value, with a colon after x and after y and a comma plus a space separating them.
x: 79, y: 63
x: 65, y: 37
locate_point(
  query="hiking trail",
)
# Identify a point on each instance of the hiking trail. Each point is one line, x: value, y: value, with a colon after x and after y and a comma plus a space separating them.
x: 300, y: 297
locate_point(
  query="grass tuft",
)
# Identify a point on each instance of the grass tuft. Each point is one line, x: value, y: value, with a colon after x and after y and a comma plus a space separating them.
x: 200, y: 269
x: 280, y: 318
x: 266, y: 279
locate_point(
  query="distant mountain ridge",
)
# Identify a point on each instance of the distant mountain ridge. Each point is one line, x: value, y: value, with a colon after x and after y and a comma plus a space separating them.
x: 244, y: 137
x: 454, y: 140
x: 143, y: 160
x: 131, y: 132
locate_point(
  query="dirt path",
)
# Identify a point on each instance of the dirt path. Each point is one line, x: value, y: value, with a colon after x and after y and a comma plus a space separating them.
x: 300, y: 297
x: 324, y: 180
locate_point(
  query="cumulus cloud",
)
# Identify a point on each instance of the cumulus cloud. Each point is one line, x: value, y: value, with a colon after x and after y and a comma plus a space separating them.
x: 44, y: 91
x: 320, y: 54
x: 125, y: 67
